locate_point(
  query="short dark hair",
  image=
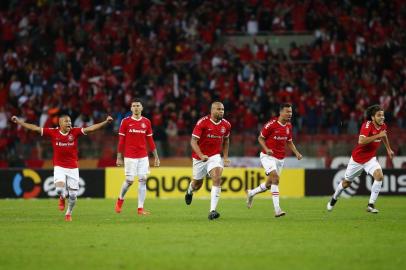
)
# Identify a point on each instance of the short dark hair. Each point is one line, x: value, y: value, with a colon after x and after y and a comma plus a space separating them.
x: 136, y: 100
x: 372, y: 110
x: 285, y: 105
x: 63, y: 116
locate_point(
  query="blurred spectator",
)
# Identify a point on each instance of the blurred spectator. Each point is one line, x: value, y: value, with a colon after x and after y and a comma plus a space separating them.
x: 87, y: 60
x: 252, y: 26
x: 3, y: 119
x: 353, y: 125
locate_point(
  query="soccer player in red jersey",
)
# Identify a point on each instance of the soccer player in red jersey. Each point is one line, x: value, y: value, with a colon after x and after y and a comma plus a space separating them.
x: 275, y: 135
x: 65, y: 145
x: 134, y: 133
x: 363, y: 157
x: 210, y: 137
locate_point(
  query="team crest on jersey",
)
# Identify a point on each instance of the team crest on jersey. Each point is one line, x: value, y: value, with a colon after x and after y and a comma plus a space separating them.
x: 223, y: 130
x: 287, y: 131
x: 70, y: 138
x: 143, y: 125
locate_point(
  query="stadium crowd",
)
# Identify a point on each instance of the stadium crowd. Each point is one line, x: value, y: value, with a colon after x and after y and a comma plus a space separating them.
x: 91, y: 58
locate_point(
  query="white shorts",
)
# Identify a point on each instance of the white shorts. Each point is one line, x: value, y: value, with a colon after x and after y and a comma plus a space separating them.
x: 355, y: 169
x: 201, y: 168
x: 136, y: 166
x: 271, y: 163
x: 68, y: 176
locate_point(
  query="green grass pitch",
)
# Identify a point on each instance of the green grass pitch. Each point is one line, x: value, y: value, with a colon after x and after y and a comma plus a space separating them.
x: 34, y: 235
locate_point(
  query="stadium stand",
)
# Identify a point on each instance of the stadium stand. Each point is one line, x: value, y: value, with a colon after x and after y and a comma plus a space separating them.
x: 91, y: 58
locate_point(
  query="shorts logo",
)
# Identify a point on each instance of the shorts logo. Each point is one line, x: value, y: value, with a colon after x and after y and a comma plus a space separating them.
x: 18, y: 178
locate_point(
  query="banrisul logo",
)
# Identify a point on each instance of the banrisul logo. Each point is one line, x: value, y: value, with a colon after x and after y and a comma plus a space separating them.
x: 27, y: 184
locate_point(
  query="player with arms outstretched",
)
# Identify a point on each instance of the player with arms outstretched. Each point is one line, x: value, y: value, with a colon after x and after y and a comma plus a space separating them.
x: 65, y: 145
x: 363, y: 157
x: 134, y: 133
x: 210, y: 137
x: 274, y: 136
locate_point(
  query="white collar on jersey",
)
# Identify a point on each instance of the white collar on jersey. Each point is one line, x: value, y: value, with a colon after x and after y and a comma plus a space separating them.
x: 136, y: 118
x: 64, y: 134
x: 282, y: 124
x: 215, y: 122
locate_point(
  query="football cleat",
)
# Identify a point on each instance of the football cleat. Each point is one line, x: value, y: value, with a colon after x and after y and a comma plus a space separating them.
x: 61, y: 203
x: 68, y: 217
x: 188, y: 198
x: 119, y: 205
x: 143, y: 212
x: 280, y: 213
x: 371, y: 209
x: 213, y: 215
x: 250, y: 199
x: 330, y: 204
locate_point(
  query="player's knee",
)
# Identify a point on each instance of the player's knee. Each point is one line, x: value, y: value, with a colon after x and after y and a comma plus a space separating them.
x: 60, y: 184
x: 216, y: 180
x: 129, y: 180
x: 275, y: 180
x: 346, y: 183
x: 142, y: 182
x: 142, y: 179
x: 73, y: 194
x: 378, y: 175
x: 197, y: 185
x: 59, y: 190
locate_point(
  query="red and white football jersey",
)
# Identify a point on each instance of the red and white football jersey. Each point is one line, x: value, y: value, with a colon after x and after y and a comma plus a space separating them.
x: 65, y: 146
x: 362, y: 153
x: 210, y: 135
x: 276, y: 135
x: 135, y: 134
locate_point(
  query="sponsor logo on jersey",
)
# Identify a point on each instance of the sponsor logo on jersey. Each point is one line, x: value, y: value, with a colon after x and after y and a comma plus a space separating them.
x: 280, y: 138
x: 133, y: 130
x: 214, y: 136
x: 64, y: 144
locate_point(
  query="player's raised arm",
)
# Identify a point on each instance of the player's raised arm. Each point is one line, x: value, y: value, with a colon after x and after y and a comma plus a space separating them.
x: 28, y: 126
x: 98, y: 126
x: 196, y: 148
x: 292, y: 147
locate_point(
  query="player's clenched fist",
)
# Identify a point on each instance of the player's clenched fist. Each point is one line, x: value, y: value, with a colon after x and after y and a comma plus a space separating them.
x: 109, y: 119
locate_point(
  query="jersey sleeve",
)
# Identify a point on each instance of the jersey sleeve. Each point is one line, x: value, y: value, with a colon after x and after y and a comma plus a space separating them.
x: 198, y: 130
x: 123, y: 128
x: 149, y: 129
x: 266, y: 131
x: 228, y: 131
x: 121, y: 136
x: 48, y: 132
x: 365, y: 129
x: 77, y: 131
